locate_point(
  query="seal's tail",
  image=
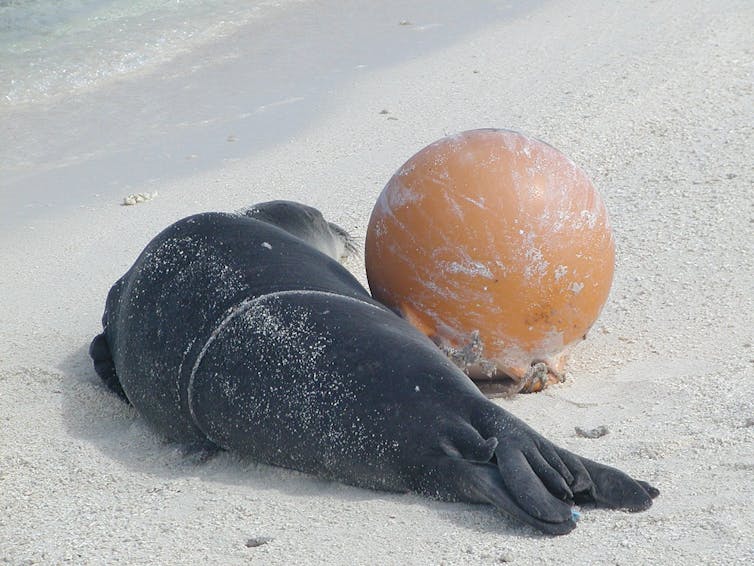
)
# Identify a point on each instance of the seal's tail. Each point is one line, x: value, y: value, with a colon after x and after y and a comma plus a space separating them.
x: 99, y: 351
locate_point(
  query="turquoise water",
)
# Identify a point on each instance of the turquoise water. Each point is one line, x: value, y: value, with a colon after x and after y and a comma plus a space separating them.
x: 50, y: 48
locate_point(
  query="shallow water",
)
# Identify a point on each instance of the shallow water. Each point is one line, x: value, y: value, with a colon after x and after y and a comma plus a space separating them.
x: 50, y: 48
x: 98, y: 101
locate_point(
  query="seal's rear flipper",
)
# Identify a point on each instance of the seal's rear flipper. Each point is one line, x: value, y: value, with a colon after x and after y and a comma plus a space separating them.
x: 614, y: 489
x: 482, y: 483
x: 99, y: 351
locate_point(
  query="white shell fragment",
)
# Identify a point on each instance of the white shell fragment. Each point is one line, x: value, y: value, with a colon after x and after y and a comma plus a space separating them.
x: 136, y: 198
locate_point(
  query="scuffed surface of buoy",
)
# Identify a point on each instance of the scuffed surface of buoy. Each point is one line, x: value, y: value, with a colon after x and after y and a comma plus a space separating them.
x: 498, y: 247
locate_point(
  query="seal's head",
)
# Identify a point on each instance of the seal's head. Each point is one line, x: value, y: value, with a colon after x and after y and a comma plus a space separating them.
x: 306, y: 223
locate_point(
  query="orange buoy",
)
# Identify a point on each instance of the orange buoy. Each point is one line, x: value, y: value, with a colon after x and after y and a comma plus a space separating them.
x: 498, y: 247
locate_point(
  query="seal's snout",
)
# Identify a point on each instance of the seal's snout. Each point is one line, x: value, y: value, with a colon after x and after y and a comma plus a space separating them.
x: 348, y: 246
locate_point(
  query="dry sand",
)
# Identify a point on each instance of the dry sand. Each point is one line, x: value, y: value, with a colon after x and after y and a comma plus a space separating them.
x: 653, y: 98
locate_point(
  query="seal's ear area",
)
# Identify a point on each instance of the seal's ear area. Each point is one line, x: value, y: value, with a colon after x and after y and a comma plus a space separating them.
x: 614, y: 489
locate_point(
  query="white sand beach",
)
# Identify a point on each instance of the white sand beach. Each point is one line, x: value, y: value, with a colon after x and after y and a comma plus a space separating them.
x: 321, y: 102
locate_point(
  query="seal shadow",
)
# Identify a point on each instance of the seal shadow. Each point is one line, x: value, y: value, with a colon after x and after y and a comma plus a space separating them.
x: 93, y: 414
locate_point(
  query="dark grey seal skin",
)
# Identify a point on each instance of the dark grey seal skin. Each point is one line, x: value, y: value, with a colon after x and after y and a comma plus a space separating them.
x: 240, y: 332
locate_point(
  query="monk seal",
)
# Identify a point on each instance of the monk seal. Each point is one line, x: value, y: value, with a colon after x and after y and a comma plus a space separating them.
x: 243, y: 332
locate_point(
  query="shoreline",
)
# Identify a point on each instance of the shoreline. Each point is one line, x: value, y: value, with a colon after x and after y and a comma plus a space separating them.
x: 256, y: 88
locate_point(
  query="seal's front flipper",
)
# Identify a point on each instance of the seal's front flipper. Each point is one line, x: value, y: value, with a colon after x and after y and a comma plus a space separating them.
x: 99, y: 351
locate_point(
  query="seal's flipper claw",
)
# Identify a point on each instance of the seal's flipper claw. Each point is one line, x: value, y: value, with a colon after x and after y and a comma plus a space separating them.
x: 617, y: 490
